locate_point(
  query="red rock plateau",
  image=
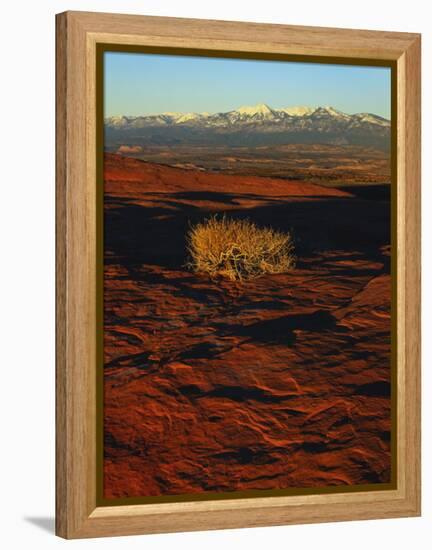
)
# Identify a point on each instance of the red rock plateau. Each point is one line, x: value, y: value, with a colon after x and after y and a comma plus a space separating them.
x: 219, y: 386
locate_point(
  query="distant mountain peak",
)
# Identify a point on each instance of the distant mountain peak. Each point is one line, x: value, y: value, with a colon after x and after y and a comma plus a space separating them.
x: 329, y: 110
x: 332, y: 110
x: 298, y: 110
x: 186, y: 117
x: 258, y: 109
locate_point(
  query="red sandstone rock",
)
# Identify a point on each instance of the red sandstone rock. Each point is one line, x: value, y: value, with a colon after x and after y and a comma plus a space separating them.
x: 213, y: 385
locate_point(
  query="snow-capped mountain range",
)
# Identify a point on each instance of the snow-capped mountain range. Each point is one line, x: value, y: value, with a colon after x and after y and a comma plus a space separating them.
x: 253, y: 125
x: 246, y: 114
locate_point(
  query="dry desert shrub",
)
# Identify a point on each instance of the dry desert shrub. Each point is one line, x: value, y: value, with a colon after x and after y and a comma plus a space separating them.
x: 239, y: 249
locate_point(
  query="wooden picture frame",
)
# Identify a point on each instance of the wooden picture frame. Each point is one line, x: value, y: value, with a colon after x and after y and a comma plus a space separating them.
x: 78, y: 243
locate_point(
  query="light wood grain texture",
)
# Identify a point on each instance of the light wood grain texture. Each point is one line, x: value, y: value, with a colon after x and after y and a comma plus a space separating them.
x: 76, y: 512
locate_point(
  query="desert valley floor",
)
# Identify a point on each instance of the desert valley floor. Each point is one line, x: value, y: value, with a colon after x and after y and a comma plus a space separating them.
x: 217, y: 386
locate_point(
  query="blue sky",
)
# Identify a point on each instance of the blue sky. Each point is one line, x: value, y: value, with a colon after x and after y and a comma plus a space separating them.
x: 140, y: 84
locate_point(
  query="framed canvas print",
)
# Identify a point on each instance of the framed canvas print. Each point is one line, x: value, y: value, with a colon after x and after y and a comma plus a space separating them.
x: 238, y: 259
